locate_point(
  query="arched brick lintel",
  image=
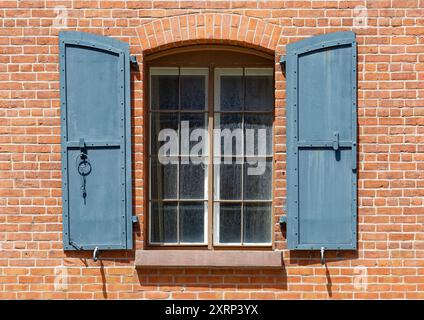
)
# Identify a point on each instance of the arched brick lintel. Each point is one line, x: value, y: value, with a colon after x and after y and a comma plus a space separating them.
x: 170, y: 32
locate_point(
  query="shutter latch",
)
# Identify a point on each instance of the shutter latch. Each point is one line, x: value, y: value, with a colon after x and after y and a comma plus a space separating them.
x: 336, y: 142
x: 82, y: 145
x: 83, y: 167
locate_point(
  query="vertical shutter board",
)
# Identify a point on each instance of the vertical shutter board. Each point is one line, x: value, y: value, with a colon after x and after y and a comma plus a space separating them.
x: 321, y: 142
x: 95, y: 109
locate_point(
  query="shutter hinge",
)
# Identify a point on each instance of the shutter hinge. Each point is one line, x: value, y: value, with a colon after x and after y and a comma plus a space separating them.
x: 133, y: 60
x: 134, y: 219
x: 283, y: 64
x: 283, y: 219
x: 134, y: 63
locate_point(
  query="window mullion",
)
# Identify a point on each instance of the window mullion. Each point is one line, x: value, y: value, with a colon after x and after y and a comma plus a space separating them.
x: 242, y: 162
x: 179, y: 155
x: 210, y: 117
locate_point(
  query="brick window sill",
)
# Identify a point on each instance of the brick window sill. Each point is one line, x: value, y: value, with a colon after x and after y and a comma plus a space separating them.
x: 208, y: 259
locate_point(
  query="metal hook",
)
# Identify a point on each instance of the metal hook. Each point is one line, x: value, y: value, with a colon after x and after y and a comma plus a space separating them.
x: 322, y: 255
x: 95, y: 254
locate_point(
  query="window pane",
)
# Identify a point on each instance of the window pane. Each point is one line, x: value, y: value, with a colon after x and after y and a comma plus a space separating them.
x: 193, y: 92
x: 228, y: 180
x: 231, y: 93
x: 160, y: 121
x: 164, y: 92
x: 229, y: 222
x: 231, y: 139
x: 259, y: 93
x: 192, y: 222
x: 191, y: 121
x: 258, y: 179
x: 163, y: 222
x: 257, y: 223
x: 261, y: 139
x: 192, y: 180
x: 163, y: 179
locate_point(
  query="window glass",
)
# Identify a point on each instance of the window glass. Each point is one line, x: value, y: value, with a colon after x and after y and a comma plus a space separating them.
x: 164, y: 92
x: 192, y: 180
x: 259, y: 93
x: 257, y: 223
x: 260, y: 135
x: 232, y: 95
x: 193, y: 92
x: 164, y: 178
x: 257, y: 179
x: 164, y: 222
x: 229, y: 222
x: 192, y: 222
x: 228, y: 179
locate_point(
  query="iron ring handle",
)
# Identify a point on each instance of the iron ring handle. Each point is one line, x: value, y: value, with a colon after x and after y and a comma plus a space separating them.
x: 87, y: 165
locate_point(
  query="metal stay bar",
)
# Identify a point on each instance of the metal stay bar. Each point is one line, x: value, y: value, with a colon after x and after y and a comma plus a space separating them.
x: 103, y: 143
x: 324, y: 144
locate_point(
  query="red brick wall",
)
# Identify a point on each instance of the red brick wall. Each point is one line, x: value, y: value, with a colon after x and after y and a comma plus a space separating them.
x: 390, y: 260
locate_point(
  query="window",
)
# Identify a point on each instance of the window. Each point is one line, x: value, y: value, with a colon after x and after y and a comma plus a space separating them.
x: 243, y: 200
x: 179, y: 187
x: 211, y: 155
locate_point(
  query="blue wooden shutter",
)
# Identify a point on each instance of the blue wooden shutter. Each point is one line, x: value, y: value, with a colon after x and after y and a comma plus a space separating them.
x: 321, y: 142
x: 95, y: 119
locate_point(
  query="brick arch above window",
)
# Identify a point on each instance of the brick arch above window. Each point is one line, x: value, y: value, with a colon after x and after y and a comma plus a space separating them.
x: 169, y: 32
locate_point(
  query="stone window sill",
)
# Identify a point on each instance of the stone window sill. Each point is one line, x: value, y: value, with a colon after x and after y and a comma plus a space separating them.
x: 208, y: 258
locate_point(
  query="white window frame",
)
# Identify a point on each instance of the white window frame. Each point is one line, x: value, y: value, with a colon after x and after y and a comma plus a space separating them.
x: 218, y: 72
x: 217, y: 107
x: 179, y: 71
